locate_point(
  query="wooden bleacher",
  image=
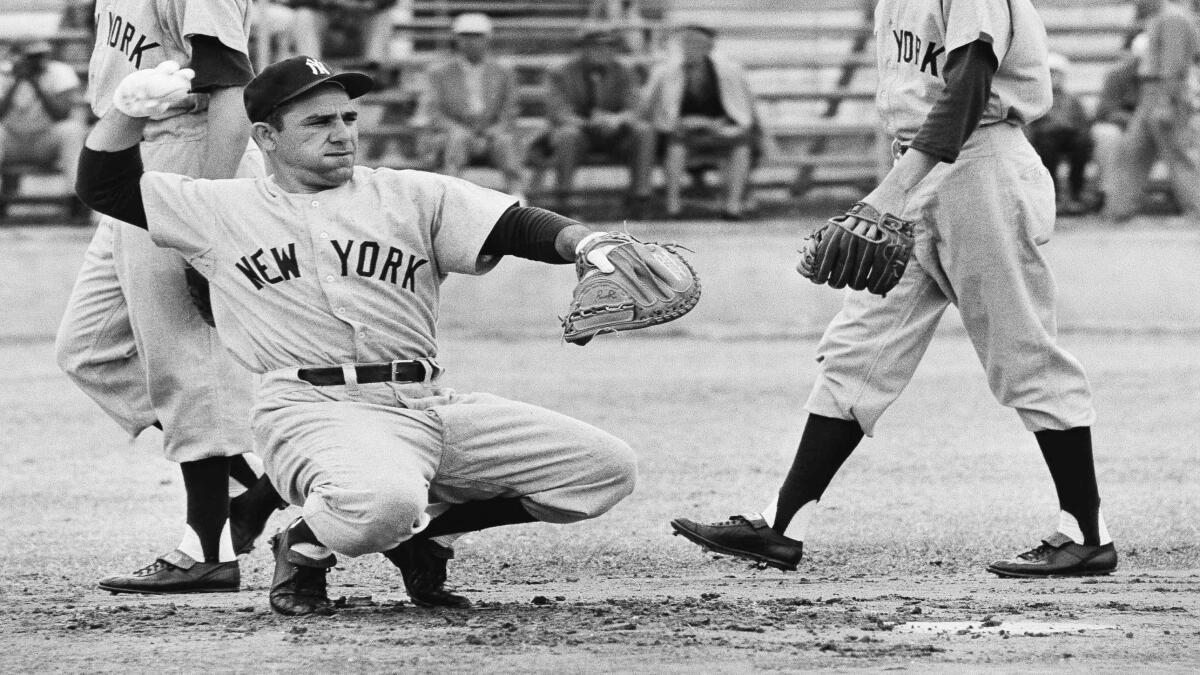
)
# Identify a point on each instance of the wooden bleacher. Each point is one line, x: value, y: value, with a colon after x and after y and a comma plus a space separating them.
x: 813, y: 71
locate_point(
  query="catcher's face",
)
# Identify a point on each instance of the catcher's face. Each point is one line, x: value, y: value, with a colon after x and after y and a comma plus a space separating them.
x: 315, y: 147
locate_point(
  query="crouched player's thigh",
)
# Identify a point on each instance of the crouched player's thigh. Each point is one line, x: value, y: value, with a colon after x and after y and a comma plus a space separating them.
x: 565, y: 469
x: 361, y: 471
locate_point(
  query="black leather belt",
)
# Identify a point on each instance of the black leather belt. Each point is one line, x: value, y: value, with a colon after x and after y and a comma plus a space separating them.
x: 396, y: 371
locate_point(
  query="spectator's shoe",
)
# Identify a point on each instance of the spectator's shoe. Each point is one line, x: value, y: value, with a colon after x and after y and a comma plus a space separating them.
x: 1059, y: 556
x: 746, y: 536
x: 177, y: 572
x: 422, y: 563
x: 249, y: 513
x: 298, y: 587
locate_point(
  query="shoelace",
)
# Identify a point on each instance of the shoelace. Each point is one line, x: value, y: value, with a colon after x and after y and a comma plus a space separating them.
x: 153, y: 568
x: 1040, y: 553
x: 733, y: 520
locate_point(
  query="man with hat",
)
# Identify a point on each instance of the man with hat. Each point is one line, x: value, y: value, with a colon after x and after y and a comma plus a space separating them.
x: 592, y: 101
x: 37, y: 95
x: 473, y: 103
x: 325, y: 281
x: 701, y: 104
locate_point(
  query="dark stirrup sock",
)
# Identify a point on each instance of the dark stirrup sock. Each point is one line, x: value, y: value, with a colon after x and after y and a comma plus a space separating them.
x: 824, y: 446
x: 1068, y: 455
x: 207, y: 484
x: 241, y: 471
x: 473, y: 516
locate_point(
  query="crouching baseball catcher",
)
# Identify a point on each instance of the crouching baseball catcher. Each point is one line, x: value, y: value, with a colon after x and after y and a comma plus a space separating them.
x: 325, y: 281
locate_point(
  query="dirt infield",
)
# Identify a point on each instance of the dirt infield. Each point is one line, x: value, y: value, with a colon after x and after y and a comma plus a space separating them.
x: 893, y: 576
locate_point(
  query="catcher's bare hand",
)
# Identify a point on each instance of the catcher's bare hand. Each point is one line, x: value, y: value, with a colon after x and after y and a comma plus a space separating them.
x: 861, y: 249
x: 625, y: 284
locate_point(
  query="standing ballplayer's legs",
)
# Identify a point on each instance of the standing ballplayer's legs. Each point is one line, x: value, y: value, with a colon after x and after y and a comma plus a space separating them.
x: 200, y: 399
x: 95, y: 345
x: 867, y: 355
x: 997, y: 210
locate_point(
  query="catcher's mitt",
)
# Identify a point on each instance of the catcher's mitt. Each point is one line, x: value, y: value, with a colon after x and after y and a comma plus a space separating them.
x: 625, y: 284
x: 860, y: 249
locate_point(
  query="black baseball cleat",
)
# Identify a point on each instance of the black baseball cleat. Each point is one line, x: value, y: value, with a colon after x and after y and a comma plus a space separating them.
x: 177, y: 572
x: 422, y: 564
x: 1059, y: 556
x: 298, y: 587
x: 746, y: 536
x: 249, y: 513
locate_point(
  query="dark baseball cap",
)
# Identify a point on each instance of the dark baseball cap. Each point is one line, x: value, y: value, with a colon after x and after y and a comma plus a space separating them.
x: 284, y: 80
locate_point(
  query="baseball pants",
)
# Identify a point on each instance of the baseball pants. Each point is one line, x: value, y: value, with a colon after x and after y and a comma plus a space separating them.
x: 981, y: 221
x: 366, y: 461
x: 132, y: 340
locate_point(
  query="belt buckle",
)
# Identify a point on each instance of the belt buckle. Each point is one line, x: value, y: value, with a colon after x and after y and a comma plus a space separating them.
x: 429, y: 366
x: 395, y: 368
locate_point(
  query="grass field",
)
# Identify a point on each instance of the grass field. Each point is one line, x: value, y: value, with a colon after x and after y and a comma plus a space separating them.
x: 712, y: 404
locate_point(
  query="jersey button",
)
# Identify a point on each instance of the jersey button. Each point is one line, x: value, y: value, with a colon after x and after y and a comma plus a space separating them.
x: 316, y: 203
x: 324, y: 235
x: 329, y: 278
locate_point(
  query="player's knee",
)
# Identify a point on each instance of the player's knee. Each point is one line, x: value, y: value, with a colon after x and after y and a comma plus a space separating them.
x: 370, y: 517
x: 613, y: 475
x: 67, y: 354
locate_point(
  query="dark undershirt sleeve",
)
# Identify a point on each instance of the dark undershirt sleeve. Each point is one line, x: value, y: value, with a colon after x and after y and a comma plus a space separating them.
x: 217, y: 66
x: 956, y: 115
x: 110, y: 182
x: 527, y: 232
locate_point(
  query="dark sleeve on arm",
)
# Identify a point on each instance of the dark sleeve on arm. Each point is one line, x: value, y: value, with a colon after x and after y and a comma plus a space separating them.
x: 110, y: 182
x: 527, y: 232
x: 956, y: 115
x: 217, y: 66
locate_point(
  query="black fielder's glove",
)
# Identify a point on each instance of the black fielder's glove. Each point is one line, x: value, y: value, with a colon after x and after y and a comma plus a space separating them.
x: 860, y: 249
x: 198, y: 290
x: 625, y: 284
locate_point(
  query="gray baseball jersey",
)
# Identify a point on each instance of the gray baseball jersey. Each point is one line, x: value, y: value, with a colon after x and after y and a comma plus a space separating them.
x: 139, y: 34
x: 347, y: 275
x: 913, y: 38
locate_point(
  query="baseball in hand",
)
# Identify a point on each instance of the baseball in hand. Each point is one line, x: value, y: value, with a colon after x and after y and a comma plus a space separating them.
x: 150, y: 92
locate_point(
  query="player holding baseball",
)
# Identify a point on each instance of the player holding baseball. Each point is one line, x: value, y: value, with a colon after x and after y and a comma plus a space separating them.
x: 131, y: 338
x: 958, y: 79
x: 325, y: 281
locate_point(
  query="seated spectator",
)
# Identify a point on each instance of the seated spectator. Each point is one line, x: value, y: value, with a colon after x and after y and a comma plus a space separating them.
x: 37, y: 98
x: 1162, y: 126
x: 592, y: 107
x: 1114, y: 109
x: 1062, y: 134
x: 701, y: 103
x: 308, y: 22
x: 473, y: 104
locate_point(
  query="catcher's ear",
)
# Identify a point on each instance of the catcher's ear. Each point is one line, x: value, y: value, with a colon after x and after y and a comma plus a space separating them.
x: 265, y: 135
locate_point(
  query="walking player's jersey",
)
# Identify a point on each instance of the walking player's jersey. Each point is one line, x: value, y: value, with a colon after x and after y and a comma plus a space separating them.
x: 139, y: 34
x: 346, y: 275
x: 913, y: 38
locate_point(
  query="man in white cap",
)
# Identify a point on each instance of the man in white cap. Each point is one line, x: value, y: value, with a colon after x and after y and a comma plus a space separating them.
x: 473, y: 103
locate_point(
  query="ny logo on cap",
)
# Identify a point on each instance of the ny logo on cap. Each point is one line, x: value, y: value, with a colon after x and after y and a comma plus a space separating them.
x: 317, y: 67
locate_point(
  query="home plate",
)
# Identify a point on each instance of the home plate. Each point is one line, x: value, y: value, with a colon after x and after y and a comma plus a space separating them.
x: 997, y: 627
